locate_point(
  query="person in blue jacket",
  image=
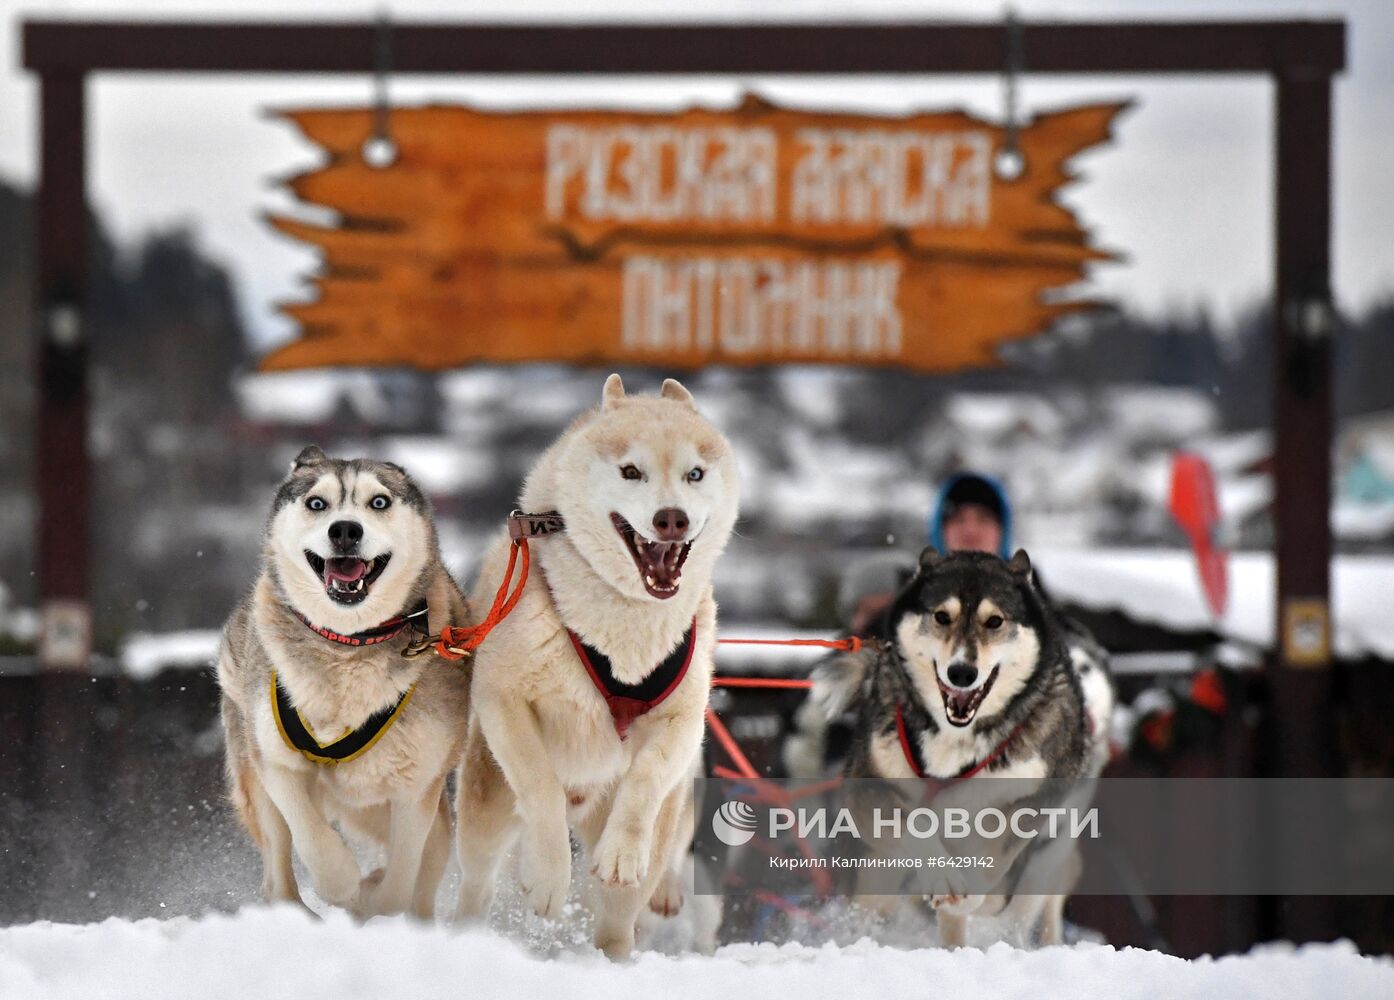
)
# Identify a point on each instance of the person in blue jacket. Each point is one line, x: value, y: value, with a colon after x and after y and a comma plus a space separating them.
x: 972, y: 515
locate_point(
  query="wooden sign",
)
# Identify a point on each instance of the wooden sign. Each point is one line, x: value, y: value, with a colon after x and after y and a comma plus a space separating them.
x: 755, y: 236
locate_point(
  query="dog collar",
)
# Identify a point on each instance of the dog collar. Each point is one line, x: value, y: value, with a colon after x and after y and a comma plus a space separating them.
x: 629, y: 701
x: 352, y: 744
x: 522, y: 526
x: 390, y: 629
x: 911, y: 749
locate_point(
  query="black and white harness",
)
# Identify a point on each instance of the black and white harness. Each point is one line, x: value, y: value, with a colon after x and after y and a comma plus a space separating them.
x: 352, y: 743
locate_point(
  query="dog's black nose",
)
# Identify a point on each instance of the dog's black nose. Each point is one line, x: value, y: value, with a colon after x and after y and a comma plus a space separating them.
x: 345, y: 534
x: 670, y: 523
x: 962, y: 674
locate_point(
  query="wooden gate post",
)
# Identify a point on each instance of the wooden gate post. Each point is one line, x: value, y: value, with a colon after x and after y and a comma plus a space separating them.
x: 1303, y: 721
x: 61, y: 332
x: 1302, y: 421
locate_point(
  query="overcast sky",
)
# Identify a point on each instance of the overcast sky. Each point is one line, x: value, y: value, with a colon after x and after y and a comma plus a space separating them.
x: 1185, y: 193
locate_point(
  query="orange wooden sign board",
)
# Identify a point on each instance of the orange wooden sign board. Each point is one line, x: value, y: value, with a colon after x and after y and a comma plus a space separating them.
x: 754, y: 236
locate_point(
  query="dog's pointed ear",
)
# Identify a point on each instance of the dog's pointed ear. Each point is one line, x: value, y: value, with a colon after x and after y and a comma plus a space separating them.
x: 1020, y: 564
x: 676, y: 391
x: 613, y: 392
x: 311, y: 455
x: 930, y: 558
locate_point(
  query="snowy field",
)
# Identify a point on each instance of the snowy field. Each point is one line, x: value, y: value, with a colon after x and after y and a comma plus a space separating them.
x: 260, y: 953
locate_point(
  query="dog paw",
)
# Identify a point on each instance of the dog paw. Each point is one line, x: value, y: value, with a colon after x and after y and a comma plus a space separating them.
x: 617, y: 945
x: 371, y: 881
x: 472, y: 905
x: 957, y: 904
x: 545, y: 877
x: 620, y: 861
x: 376, y: 901
x: 667, y: 897
x: 338, y: 884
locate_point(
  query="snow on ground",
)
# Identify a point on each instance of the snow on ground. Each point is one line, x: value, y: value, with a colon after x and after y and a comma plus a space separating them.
x: 310, y: 397
x: 145, y: 654
x: 269, y: 953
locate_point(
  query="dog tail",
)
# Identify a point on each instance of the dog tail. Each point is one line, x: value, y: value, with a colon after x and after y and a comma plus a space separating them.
x: 838, y: 680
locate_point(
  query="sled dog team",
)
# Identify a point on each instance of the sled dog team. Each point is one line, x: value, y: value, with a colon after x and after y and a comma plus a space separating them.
x: 582, y: 713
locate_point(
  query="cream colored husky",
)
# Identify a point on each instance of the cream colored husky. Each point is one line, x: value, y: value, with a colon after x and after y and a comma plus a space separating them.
x: 324, y: 719
x: 587, y: 701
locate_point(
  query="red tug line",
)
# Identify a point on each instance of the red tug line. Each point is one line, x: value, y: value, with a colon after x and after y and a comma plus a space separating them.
x: 744, y: 769
x: 762, y: 789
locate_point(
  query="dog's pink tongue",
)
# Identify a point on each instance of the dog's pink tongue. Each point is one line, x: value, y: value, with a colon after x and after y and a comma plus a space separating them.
x: 346, y: 570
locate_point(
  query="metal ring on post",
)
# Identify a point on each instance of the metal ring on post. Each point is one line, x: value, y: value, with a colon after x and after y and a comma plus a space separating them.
x: 379, y: 150
x: 1009, y: 163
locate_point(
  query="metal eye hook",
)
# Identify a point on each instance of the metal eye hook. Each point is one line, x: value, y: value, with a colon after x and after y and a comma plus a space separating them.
x: 379, y: 150
x: 430, y: 644
x: 1009, y: 163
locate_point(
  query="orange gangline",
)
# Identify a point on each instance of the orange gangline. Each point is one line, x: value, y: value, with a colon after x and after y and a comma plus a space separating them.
x: 762, y: 682
x: 851, y: 644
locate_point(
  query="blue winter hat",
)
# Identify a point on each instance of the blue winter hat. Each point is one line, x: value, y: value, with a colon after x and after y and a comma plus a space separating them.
x: 971, y: 487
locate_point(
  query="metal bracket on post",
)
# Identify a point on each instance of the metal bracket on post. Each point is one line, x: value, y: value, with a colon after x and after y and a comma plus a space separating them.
x: 63, y: 325
x: 1311, y: 317
x: 1310, y: 322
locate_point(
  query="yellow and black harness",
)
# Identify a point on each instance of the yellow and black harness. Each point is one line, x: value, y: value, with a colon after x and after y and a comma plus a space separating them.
x: 352, y: 743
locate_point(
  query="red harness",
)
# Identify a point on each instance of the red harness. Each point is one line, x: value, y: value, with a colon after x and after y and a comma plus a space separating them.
x: 912, y: 756
x: 629, y: 701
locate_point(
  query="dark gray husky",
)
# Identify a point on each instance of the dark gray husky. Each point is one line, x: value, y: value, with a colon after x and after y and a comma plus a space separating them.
x: 979, y: 676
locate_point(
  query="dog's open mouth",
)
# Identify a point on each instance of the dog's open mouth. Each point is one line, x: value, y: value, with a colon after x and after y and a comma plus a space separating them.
x: 660, y: 563
x: 961, y: 705
x: 347, y: 579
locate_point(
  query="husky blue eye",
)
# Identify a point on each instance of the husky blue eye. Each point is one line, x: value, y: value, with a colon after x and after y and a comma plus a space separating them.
x: 695, y: 476
x: 315, y: 503
x: 381, y: 502
x: 631, y: 472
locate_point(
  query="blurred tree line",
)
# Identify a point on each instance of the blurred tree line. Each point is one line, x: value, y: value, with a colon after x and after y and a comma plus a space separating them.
x: 165, y: 338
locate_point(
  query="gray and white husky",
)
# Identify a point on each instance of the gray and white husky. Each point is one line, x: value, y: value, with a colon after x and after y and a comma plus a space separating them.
x: 325, y: 720
x: 981, y: 677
